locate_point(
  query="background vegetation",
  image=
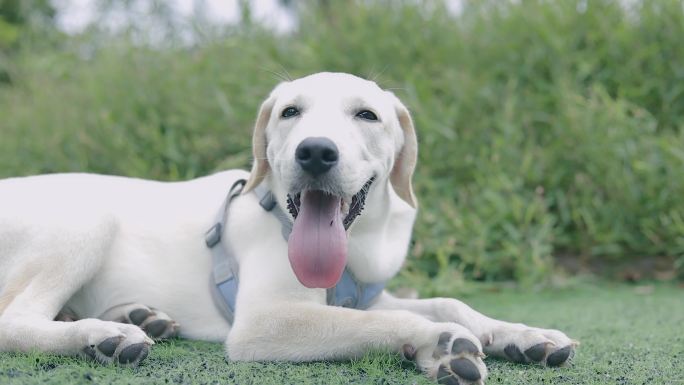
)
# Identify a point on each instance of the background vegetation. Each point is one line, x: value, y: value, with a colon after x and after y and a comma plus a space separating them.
x: 546, y: 128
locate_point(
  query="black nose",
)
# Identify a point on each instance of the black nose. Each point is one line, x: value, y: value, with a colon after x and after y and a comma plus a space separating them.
x: 316, y: 155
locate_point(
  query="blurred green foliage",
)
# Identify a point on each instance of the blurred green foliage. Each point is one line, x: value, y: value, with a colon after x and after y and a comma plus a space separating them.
x: 545, y: 127
x: 22, y: 23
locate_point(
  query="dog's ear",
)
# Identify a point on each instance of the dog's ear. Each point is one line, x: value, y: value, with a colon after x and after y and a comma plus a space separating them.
x: 405, y: 162
x: 260, y: 167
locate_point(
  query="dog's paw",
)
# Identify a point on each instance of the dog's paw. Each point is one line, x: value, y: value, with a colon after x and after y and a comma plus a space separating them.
x: 523, y: 344
x: 157, y: 324
x: 111, y: 342
x: 455, y: 359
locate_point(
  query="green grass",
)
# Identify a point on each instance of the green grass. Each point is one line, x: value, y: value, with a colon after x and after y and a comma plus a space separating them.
x: 626, y: 338
x: 545, y: 127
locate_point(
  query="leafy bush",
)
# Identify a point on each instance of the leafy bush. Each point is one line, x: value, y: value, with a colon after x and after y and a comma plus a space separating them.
x: 544, y: 127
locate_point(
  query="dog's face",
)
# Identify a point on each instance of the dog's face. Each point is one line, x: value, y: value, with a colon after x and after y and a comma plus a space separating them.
x: 326, y: 139
x: 338, y: 115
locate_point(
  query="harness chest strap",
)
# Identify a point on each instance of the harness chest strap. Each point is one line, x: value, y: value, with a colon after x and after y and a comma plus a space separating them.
x: 349, y: 292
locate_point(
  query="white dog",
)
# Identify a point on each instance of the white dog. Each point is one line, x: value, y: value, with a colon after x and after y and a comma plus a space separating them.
x: 127, y: 259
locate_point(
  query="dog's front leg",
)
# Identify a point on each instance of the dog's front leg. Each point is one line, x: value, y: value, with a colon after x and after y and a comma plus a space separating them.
x: 309, y: 331
x: 53, y: 264
x: 513, y: 341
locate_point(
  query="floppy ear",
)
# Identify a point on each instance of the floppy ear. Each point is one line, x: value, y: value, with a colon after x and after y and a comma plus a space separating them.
x: 405, y: 161
x: 260, y: 167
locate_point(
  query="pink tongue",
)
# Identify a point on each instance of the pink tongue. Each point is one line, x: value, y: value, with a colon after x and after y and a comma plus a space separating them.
x: 317, y: 247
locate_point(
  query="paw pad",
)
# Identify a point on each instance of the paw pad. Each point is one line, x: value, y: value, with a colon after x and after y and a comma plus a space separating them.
x: 408, y: 352
x: 138, y: 316
x: 462, y: 345
x: 156, y: 328
x: 537, y: 352
x: 559, y: 357
x: 465, y: 369
x: 458, y: 361
x: 108, y: 346
x: 442, y: 345
x: 89, y: 352
x: 133, y: 353
x: 444, y: 377
x: 514, y: 354
x: 156, y: 324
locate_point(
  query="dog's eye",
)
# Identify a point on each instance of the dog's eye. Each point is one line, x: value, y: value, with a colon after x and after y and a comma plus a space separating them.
x: 367, y: 115
x: 289, y: 112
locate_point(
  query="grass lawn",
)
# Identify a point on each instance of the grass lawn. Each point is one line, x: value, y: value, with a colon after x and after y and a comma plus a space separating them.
x: 629, y: 336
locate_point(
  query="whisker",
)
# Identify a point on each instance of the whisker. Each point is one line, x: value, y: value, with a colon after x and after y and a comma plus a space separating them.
x: 287, y: 74
x: 278, y: 75
x: 370, y: 75
x: 258, y: 158
x: 382, y: 71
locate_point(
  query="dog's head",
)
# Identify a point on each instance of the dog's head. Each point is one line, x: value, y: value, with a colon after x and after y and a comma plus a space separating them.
x: 325, y: 140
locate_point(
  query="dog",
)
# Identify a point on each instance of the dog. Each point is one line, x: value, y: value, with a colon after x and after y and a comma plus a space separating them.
x: 329, y: 200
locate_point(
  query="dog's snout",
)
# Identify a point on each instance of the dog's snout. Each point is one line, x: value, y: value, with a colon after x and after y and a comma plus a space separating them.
x: 316, y: 155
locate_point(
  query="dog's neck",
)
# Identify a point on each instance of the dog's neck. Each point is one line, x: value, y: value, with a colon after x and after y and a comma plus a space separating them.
x: 378, y: 240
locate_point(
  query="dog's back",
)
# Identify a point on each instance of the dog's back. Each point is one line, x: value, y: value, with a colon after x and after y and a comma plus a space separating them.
x: 43, y: 217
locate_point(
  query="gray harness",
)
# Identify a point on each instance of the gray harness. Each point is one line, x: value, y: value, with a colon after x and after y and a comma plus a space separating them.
x: 349, y: 292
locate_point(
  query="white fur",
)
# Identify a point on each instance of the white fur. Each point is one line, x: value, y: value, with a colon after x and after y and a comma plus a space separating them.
x: 92, y: 243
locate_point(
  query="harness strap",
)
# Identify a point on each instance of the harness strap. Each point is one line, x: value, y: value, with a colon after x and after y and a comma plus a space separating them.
x: 225, y: 271
x: 269, y: 203
x: 352, y: 293
x: 349, y: 291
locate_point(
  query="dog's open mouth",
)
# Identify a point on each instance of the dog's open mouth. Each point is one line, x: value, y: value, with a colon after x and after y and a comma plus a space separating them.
x: 350, y: 210
x: 317, y: 247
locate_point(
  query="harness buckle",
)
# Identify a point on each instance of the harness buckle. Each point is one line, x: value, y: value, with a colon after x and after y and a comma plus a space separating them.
x: 213, y: 235
x: 268, y: 201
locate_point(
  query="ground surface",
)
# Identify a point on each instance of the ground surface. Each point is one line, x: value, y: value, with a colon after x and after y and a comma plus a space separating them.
x: 629, y: 335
